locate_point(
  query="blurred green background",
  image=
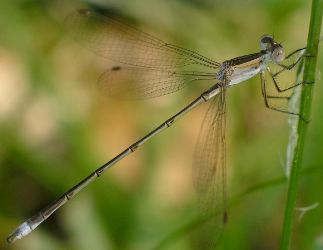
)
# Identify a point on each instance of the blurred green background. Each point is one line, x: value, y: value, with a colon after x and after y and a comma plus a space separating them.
x: 56, y: 128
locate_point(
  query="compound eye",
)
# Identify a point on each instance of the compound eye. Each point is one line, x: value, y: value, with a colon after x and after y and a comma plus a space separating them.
x: 278, y: 55
x: 266, y: 42
x: 266, y: 38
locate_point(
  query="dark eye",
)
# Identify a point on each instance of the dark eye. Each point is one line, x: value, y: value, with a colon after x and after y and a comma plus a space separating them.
x: 266, y: 42
x: 266, y: 39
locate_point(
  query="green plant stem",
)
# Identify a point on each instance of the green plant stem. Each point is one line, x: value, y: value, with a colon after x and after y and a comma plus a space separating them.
x: 305, y: 107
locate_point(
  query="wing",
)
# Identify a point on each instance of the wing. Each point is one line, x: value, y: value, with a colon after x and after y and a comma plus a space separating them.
x: 117, y: 41
x: 209, y: 173
x: 140, y: 83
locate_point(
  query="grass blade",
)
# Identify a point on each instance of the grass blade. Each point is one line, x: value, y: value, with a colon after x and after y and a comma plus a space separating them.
x: 305, y: 108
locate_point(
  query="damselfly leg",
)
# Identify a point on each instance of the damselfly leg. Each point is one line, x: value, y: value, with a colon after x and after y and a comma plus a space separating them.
x: 271, y: 99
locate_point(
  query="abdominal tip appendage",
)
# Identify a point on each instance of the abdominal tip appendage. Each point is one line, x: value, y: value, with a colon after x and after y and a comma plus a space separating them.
x: 19, y: 233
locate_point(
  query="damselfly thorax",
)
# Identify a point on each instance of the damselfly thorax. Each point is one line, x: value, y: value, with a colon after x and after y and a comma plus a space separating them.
x: 242, y: 68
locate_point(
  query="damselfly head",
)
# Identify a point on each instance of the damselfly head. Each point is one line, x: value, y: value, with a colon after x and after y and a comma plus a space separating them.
x: 275, y: 49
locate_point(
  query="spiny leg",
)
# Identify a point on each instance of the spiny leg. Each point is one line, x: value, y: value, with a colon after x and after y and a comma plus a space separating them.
x: 288, y: 67
x: 291, y: 66
x: 267, y: 103
x: 279, y: 89
x: 278, y: 97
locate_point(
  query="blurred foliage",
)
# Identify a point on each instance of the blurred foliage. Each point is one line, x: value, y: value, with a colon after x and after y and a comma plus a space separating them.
x: 55, y: 128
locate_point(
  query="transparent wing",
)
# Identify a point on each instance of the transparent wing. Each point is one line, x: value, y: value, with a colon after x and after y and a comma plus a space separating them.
x: 114, y: 40
x: 209, y: 173
x: 140, y: 83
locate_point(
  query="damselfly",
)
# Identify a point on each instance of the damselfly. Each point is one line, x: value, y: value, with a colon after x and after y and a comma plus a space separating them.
x: 155, y: 68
